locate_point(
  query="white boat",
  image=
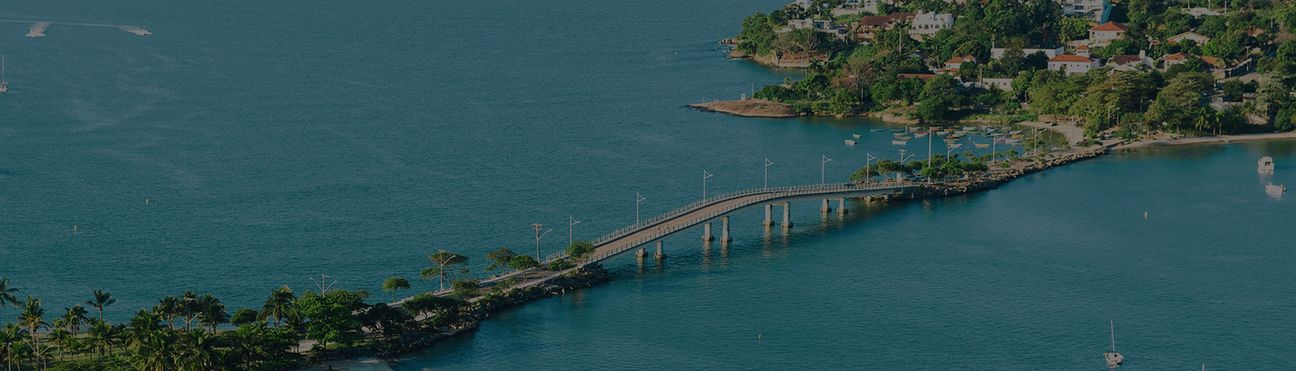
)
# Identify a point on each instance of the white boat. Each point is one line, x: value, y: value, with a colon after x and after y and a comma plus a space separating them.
x: 1114, y: 359
x: 4, y: 85
x: 921, y: 134
x: 954, y: 145
x: 850, y: 142
x: 898, y: 142
x: 856, y: 136
x: 876, y: 130
x: 1265, y: 165
x: 1275, y: 190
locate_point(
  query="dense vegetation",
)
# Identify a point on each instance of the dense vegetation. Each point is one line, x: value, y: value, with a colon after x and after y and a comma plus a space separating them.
x: 856, y: 77
x: 197, y: 332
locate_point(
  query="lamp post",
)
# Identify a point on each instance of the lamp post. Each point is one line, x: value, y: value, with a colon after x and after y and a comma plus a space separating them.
x: 868, y: 157
x: 571, y: 222
x: 705, y: 176
x: 823, y: 169
x: 538, y: 235
x: 768, y: 163
x: 638, y: 198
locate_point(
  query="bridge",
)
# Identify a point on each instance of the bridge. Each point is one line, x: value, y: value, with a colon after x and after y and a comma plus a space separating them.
x: 705, y: 211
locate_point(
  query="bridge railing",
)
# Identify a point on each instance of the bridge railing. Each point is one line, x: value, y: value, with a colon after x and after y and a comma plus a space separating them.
x: 769, y: 193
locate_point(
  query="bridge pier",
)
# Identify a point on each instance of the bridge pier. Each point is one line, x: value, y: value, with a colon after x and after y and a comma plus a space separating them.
x: 724, y: 230
x: 787, y: 214
x: 641, y: 253
x: 706, y: 232
x: 660, y: 255
x: 769, y: 219
x: 841, y: 205
x: 825, y: 208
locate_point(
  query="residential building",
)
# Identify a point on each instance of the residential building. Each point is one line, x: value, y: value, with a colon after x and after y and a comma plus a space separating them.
x: 1201, y: 12
x: 1096, y: 10
x: 1195, y: 37
x: 1072, y: 64
x: 1104, y: 34
x: 867, y: 27
x: 1173, y: 59
x: 998, y: 83
x: 853, y: 7
x: 1129, y: 62
x: 954, y: 63
x: 1082, y: 50
x: 925, y: 25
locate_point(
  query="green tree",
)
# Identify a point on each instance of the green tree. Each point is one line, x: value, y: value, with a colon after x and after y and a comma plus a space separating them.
x: 189, y: 308
x: 1182, y: 99
x: 211, y: 312
x: 499, y: 258
x: 73, y: 318
x: 33, y: 319
x: 580, y: 250
x: 443, y: 263
x: 523, y: 262
x: 394, y: 284
x: 169, y: 308
x: 101, y: 299
x: 8, y: 294
x: 280, y: 305
x: 464, y: 289
x: 330, y: 318
x: 198, y: 351
x: 757, y: 36
x: 244, y: 316
x: 939, y: 99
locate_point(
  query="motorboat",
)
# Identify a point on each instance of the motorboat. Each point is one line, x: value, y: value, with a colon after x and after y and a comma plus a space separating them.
x: 1265, y: 165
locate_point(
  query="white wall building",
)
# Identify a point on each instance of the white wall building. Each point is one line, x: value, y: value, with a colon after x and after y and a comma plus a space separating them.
x: 1097, y: 10
x: 997, y: 53
x: 1103, y: 34
x: 926, y: 24
x: 1072, y: 64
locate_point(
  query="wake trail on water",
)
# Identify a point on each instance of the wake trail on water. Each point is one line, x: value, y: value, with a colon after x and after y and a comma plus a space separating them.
x: 37, y: 28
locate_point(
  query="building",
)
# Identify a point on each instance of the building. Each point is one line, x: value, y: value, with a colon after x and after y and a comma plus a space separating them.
x: 1129, y: 62
x: 1097, y: 10
x: 997, y: 53
x: 925, y: 25
x: 1082, y: 50
x: 1072, y: 64
x: 868, y: 26
x: 1195, y: 37
x: 854, y: 7
x: 1173, y: 59
x: 1000, y: 84
x: 954, y: 63
x: 1104, y: 34
x: 1201, y: 12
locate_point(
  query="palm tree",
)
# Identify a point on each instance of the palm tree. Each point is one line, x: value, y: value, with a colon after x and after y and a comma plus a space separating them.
x: 212, y: 312
x: 394, y: 284
x: 10, y: 335
x: 64, y: 338
x: 442, y: 261
x: 189, y: 307
x: 169, y: 307
x: 73, y: 318
x: 279, y: 305
x: 33, y: 318
x: 499, y: 258
x: 103, y: 336
x: 101, y: 300
x: 198, y: 351
x: 8, y: 295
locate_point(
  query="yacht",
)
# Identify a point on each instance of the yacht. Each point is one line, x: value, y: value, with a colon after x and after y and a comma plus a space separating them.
x: 1265, y: 165
x: 1114, y: 359
x: 4, y: 85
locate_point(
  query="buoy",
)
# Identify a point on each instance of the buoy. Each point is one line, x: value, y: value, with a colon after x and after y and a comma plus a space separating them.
x: 146, y: 200
x: 1145, y: 215
x: 74, y: 229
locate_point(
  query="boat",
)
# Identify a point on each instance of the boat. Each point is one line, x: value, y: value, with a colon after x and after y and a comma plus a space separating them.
x: 4, y: 85
x: 921, y: 134
x: 1265, y: 165
x: 1275, y: 190
x: 856, y: 136
x: 954, y: 145
x: 876, y: 130
x: 850, y: 142
x: 1114, y: 359
x: 982, y: 145
x: 898, y: 142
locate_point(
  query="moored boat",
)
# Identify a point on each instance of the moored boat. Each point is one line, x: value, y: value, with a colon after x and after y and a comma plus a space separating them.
x: 1265, y: 165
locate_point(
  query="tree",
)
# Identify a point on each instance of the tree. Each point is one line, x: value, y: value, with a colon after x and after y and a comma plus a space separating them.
x: 393, y: 284
x: 330, y: 316
x: 499, y: 258
x: 73, y: 318
x: 464, y: 289
x: 10, y: 335
x: 211, y: 312
x: 580, y: 250
x: 523, y: 262
x: 442, y: 262
x: 244, y: 316
x: 8, y: 295
x: 169, y: 307
x: 279, y: 305
x: 757, y: 36
x: 189, y: 308
x: 33, y: 318
x: 437, y: 309
x: 804, y: 41
x: 102, y: 299
x: 940, y: 96
x: 198, y: 351
x: 1181, y: 100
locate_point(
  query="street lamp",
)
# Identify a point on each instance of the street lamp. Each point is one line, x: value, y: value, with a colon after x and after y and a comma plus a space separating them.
x: 638, y: 198
x: 768, y: 163
x: 571, y: 222
x: 538, y: 236
x: 823, y: 169
x: 705, y: 176
x: 868, y: 157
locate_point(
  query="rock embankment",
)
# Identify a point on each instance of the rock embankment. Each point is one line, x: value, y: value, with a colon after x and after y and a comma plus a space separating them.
x: 748, y: 108
x: 998, y: 176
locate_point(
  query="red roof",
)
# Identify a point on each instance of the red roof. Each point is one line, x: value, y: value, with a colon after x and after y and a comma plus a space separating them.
x: 1175, y: 57
x: 1070, y: 58
x: 1082, y: 47
x: 1109, y: 26
x: 960, y: 59
x: 1215, y: 62
x: 920, y: 76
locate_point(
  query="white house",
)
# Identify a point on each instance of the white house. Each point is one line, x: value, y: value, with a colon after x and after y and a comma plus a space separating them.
x: 926, y: 24
x: 1104, y: 34
x: 997, y: 53
x: 998, y: 83
x: 1072, y: 64
x: 1129, y: 62
x: 853, y: 7
x: 805, y: 4
x: 1096, y: 10
x: 1201, y: 12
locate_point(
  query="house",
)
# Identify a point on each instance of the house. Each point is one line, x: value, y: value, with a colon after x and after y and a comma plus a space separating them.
x: 854, y: 7
x: 1195, y: 37
x: 1072, y: 64
x: 1082, y: 50
x: 925, y: 25
x: 1104, y: 34
x: 1129, y: 62
x: 1097, y: 10
x: 797, y: 24
x: 1201, y: 12
x: 920, y: 76
x: 997, y: 53
x: 804, y: 4
x: 1000, y: 83
x: 868, y: 26
x: 954, y: 63
x: 1173, y: 59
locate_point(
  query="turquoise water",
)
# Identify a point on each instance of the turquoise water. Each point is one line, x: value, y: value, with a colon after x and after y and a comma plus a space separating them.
x: 275, y: 142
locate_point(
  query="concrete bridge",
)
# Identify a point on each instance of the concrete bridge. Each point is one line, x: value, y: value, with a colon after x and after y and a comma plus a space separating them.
x: 718, y: 207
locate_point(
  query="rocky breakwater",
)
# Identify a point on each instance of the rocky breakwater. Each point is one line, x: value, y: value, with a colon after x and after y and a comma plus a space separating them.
x: 748, y: 108
x: 997, y: 176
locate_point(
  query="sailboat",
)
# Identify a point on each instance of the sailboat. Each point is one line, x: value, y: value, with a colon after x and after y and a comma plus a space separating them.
x: 4, y: 85
x: 1114, y: 359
